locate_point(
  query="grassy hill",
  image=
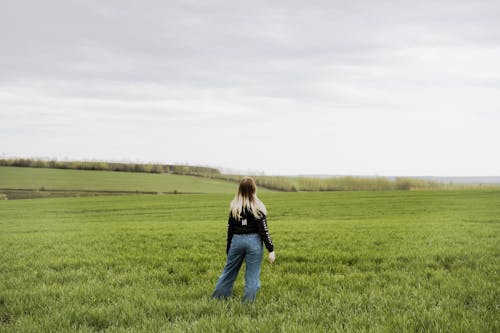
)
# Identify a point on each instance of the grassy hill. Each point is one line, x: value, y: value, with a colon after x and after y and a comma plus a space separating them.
x: 47, y: 180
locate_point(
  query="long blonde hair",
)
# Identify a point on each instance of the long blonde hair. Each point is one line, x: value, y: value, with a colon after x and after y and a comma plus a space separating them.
x: 246, y: 198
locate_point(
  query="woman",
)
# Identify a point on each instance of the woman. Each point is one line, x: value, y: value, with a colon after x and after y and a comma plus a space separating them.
x: 246, y: 230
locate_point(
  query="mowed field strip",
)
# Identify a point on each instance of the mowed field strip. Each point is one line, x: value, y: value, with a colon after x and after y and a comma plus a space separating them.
x: 395, y: 261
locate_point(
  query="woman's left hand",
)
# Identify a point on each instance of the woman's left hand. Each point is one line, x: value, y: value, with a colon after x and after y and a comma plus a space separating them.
x: 272, y: 257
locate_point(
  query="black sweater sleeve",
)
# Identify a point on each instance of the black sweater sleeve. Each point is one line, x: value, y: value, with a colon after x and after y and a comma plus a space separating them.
x: 229, y: 234
x: 264, y: 233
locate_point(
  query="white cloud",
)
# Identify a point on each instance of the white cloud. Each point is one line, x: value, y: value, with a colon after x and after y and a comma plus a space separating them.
x: 393, y: 88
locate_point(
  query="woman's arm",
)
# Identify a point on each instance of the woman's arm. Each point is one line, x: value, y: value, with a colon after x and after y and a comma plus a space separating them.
x: 229, y: 234
x: 264, y: 233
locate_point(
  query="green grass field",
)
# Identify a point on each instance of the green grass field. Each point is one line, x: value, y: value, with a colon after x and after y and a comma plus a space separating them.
x: 346, y: 262
x: 74, y: 180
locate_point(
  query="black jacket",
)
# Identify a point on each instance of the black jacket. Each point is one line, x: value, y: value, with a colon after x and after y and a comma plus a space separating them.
x: 248, y: 224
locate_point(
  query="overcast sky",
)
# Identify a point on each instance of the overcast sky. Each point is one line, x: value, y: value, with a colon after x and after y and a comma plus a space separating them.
x: 280, y: 87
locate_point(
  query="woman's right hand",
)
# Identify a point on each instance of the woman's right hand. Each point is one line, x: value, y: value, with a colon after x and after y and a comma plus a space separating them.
x: 272, y: 257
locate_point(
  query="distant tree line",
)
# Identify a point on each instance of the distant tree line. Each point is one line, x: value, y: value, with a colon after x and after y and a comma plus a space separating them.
x: 350, y: 183
x: 110, y: 166
x: 346, y: 183
x: 279, y: 183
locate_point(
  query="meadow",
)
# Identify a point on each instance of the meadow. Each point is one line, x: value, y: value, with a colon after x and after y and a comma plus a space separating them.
x: 39, y: 182
x: 381, y: 261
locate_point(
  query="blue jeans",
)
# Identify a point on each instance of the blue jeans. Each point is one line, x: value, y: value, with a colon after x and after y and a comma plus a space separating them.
x: 246, y: 247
